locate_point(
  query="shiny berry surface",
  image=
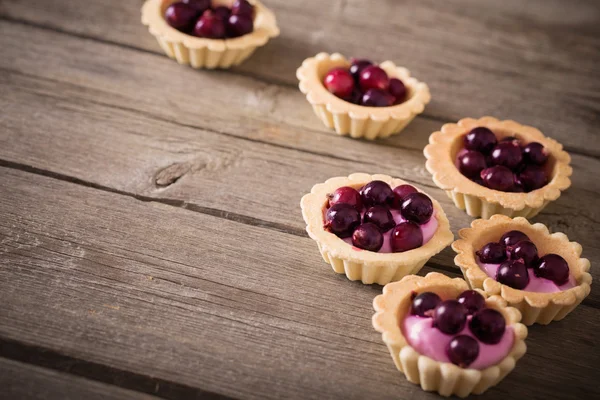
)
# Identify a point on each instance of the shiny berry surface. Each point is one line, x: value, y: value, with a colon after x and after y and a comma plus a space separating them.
x: 357, y: 67
x: 406, y: 236
x: 239, y: 25
x: 513, y: 273
x: 492, y: 253
x: 210, y: 26
x: 346, y: 195
x: 242, y: 7
x: 398, y: 90
x: 376, y: 193
x: 424, y: 303
x: 511, y: 238
x: 376, y: 98
x: 507, y: 154
x: 342, y: 219
x: 417, y: 207
x: 367, y: 237
x: 471, y: 163
x: 525, y: 251
x: 480, y: 139
x: 339, y: 82
x: 381, y: 217
x: 498, y: 178
x: 462, y: 350
x: 373, y: 77
x: 400, y: 192
x: 472, y: 300
x: 552, y: 267
x: 535, y: 153
x: 488, y: 325
x: 180, y: 16
x: 450, y: 317
x: 533, y: 177
x: 198, y: 5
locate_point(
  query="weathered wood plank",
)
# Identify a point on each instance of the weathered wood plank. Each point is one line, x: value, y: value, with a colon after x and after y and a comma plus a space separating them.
x: 522, y: 69
x: 27, y: 382
x: 210, y: 303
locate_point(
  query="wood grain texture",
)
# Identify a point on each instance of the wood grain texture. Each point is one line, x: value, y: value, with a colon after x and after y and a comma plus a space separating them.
x: 26, y: 382
x: 127, y: 284
x: 532, y: 61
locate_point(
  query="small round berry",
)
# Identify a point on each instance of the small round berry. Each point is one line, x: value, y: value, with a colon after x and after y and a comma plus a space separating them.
x: 242, y: 7
x: 525, y: 251
x: 513, y: 273
x: 367, y: 237
x: 498, y: 178
x: 462, y: 350
x: 381, y: 217
x: 210, y: 26
x: 346, y: 195
x: 222, y: 12
x: 480, y: 139
x: 406, y: 236
x: 376, y: 98
x: 339, y: 82
x: 357, y: 67
x: 552, y: 267
x: 198, y: 5
x: 239, y: 25
x: 417, y: 207
x: 488, y: 325
x: 342, y: 219
x: 533, y: 177
x: 398, y: 90
x: 424, y: 303
x: 376, y: 193
x: 180, y: 16
x: 373, y: 77
x: 471, y: 163
x: 472, y: 300
x: 535, y: 153
x: 400, y: 192
x: 492, y: 253
x: 450, y: 317
x: 507, y: 154
x: 511, y: 238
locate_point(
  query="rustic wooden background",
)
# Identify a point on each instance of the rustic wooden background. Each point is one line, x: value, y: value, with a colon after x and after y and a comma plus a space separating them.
x: 151, y: 242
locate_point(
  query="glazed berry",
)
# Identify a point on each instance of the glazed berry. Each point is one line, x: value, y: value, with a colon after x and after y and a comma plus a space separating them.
x: 239, y: 25
x: 488, y: 325
x: 398, y: 90
x: 462, y: 350
x: 400, y: 192
x: 492, y: 253
x: 342, y: 219
x: 526, y: 252
x: 376, y: 98
x: 424, y: 303
x: 406, y: 236
x: 480, y: 139
x: 533, y: 177
x: 339, y: 82
x: 552, y: 267
x: 471, y: 163
x: 222, y: 12
x: 511, y: 238
x: 450, y: 317
x: 376, y: 193
x: 417, y: 207
x: 210, y: 26
x: 346, y: 195
x: 498, y: 178
x: 242, y: 7
x: 535, y: 153
x: 198, y: 5
x: 513, y: 273
x: 357, y: 67
x: 507, y: 154
x: 472, y: 300
x: 355, y: 97
x: 180, y: 16
x: 367, y: 237
x: 381, y: 217
x: 373, y: 77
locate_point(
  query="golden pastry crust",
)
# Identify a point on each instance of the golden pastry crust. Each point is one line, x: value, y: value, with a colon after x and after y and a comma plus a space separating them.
x: 366, y: 266
x: 354, y: 120
x: 445, y: 378
x: 541, y: 308
x: 479, y: 201
x: 208, y: 53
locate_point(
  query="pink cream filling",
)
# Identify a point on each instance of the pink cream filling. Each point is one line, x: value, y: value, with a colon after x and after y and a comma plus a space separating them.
x: 431, y: 342
x: 428, y: 229
x: 536, y: 284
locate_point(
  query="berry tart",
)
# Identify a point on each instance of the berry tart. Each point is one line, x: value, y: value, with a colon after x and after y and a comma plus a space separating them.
x: 492, y: 167
x: 209, y: 33
x: 374, y: 228
x: 447, y: 338
x: 539, y: 273
x: 359, y: 98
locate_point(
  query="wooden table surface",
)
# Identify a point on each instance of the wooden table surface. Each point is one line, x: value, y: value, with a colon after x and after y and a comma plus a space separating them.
x: 151, y: 241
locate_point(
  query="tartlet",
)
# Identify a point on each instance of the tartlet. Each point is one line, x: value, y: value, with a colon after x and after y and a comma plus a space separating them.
x: 208, y: 53
x: 445, y: 378
x: 355, y: 120
x: 367, y: 266
x: 479, y: 201
x: 536, y: 307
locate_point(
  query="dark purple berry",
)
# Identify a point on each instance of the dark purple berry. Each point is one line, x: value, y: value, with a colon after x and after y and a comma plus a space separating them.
x: 342, y: 219
x: 450, y: 317
x: 492, y: 253
x: 480, y: 139
x: 507, y: 154
x: 471, y: 163
x: 239, y: 25
x: 180, y: 16
x: 511, y: 238
x: 406, y: 236
x: 535, y: 153
x: 552, y: 267
x: 380, y: 216
x: 377, y: 193
x: 210, y: 26
x: 513, y: 273
x: 525, y: 251
x: 377, y: 98
x: 498, y: 178
x: 424, y: 303
x: 222, y: 12
x: 242, y: 7
x: 357, y: 67
x: 510, y: 139
x: 198, y: 5
x: 417, y: 207
x: 533, y: 177
x: 472, y: 300
x: 400, y: 192
x: 346, y: 195
x: 368, y: 237
x: 462, y: 350
x: 488, y: 325
x: 398, y: 90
